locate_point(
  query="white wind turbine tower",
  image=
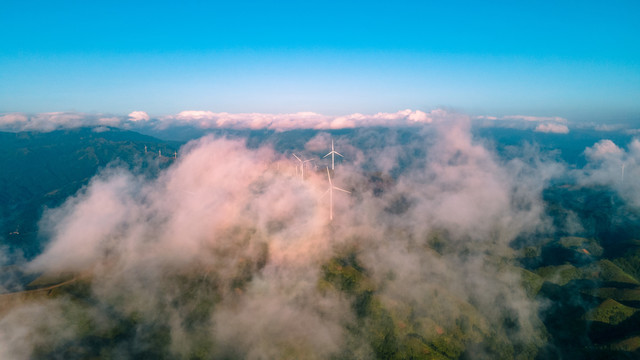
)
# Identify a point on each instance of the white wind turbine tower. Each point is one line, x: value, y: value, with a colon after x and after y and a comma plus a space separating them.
x: 330, y: 191
x: 302, y: 162
x: 333, y: 153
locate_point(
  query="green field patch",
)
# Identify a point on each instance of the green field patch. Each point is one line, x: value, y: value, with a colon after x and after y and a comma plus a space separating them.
x: 583, y: 245
x: 531, y: 282
x: 610, y: 312
x: 620, y: 295
x: 560, y: 274
x: 631, y: 344
x: 607, y: 271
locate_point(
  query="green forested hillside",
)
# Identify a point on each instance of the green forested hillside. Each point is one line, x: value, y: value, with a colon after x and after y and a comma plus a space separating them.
x: 42, y: 169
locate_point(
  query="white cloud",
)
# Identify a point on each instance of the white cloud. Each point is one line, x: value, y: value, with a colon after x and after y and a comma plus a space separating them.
x: 419, y: 116
x: 486, y: 117
x: 608, y: 127
x: 206, y: 119
x: 552, y: 128
x: 110, y: 121
x: 535, y: 118
x: 13, y: 119
x: 545, y: 124
x: 614, y: 166
x: 44, y: 121
x: 54, y: 120
x: 603, y: 148
x: 526, y: 118
x: 138, y: 116
x: 300, y: 120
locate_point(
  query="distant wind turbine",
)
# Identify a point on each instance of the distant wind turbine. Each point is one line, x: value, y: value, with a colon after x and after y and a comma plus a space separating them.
x: 333, y: 153
x: 330, y: 191
x: 302, y: 162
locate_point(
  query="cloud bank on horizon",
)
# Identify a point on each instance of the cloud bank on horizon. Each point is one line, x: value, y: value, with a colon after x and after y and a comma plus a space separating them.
x: 543, y: 124
x: 280, y: 122
x: 211, y: 120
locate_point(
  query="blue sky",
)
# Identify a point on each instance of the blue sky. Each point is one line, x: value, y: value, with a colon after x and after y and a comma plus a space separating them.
x: 575, y: 59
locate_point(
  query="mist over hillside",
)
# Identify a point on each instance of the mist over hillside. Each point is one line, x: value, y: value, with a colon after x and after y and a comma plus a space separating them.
x: 450, y: 240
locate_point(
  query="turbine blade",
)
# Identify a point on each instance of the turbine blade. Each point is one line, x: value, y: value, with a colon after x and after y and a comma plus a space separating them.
x: 326, y: 155
x: 343, y: 190
x: 337, y: 153
x: 297, y: 157
x: 325, y: 193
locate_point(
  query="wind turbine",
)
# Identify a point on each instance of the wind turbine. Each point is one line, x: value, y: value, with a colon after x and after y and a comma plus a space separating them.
x: 301, y: 165
x: 330, y: 191
x: 333, y: 153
